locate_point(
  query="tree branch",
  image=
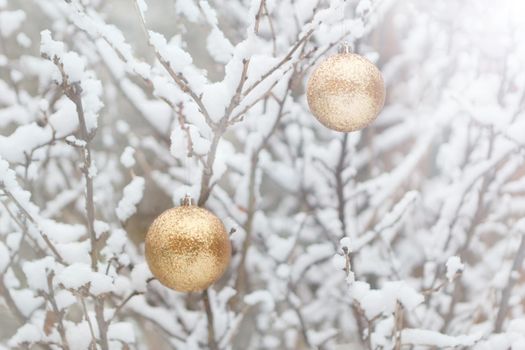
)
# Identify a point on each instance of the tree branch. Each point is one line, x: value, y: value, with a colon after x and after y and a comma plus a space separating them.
x: 507, y: 291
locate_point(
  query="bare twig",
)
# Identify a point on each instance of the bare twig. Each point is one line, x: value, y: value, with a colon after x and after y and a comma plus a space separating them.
x: 285, y: 59
x: 8, y: 298
x: 122, y: 304
x: 507, y: 291
x: 177, y: 77
x: 73, y: 92
x: 241, y: 274
x: 398, y: 325
x: 212, y: 341
x: 304, y: 328
x: 26, y: 214
x: 58, y: 313
x: 90, y: 324
x: 341, y: 203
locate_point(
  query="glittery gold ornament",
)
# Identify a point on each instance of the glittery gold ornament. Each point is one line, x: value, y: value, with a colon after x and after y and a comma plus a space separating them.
x: 346, y: 92
x: 187, y: 248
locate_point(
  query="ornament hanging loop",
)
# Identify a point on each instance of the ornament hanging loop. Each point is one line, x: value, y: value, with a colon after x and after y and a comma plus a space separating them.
x: 344, y: 47
x: 187, y: 200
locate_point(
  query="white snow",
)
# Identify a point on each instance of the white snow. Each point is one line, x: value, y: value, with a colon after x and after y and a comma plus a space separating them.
x: 188, y: 9
x: 432, y: 338
x: 100, y: 228
x: 27, y: 334
x: 454, y: 266
x: 26, y: 301
x: 75, y: 276
x: 115, y: 243
x: 79, y: 275
x: 10, y: 22
x: 50, y: 47
x: 280, y: 248
x: 13, y: 113
x: 100, y: 283
x: 339, y: 262
x: 62, y: 233
x: 345, y: 243
x: 219, y: 46
x: 374, y: 304
x: 132, y: 196
x: 28, y: 137
x: 23, y: 40
x: 73, y: 66
x: 209, y: 12
x: 383, y: 301
x: 4, y: 256
x: 75, y: 251
x: 363, y: 6
x: 320, y: 337
x: 128, y: 157
x: 122, y: 331
x: 143, y: 6
x: 78, y: 334
x: 176, y: 57
x: 445, y: 149
x: 216, y: 97
x: 139, y: 276
x: 261, y: 296
x: 91, y: 92
x: 36, y: 272
x: 64, y: 299
x: 315, y: 253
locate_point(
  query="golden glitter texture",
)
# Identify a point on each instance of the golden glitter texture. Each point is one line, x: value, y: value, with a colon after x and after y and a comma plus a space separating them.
x: 346, y: 92
x: 187, y: 248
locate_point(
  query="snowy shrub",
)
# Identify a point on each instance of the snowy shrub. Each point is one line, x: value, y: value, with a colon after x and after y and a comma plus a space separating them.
x: 409, y: 234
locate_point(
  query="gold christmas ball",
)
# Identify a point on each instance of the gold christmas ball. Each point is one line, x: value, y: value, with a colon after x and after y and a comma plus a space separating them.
x: 346, y: 92
x: 187, y: 248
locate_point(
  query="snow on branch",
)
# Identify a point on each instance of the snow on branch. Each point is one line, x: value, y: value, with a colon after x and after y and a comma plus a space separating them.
x: 411, y: 336
x: 392, y: 237
x: 133, y: 192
